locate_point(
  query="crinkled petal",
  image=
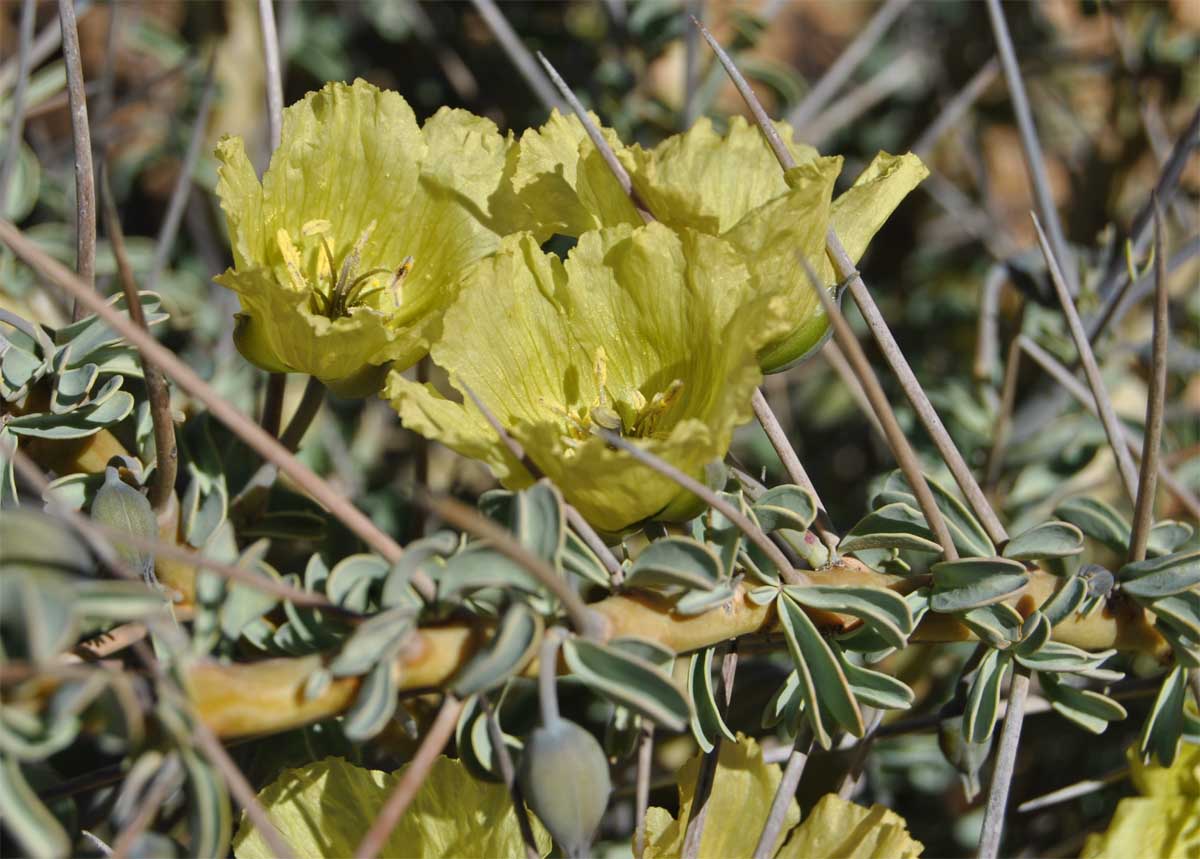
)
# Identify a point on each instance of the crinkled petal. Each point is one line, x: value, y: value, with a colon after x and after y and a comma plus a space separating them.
x: 838, y: 827
x: 774, y: 237
x: 708, y: 181
x: 652, y: 306
x: 861, y: 211
x: 282, y: 334
x: 563, y: 183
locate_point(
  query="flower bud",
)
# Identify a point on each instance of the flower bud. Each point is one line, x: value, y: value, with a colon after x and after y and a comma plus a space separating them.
x: 120, y: 506
x: 564, y: 777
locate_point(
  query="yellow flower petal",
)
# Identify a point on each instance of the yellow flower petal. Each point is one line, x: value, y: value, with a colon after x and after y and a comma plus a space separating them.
x: 678, y: 333
x: 743, y: 787
x: 324, y: 809
x: 352, y: 246
x: 839, y: 829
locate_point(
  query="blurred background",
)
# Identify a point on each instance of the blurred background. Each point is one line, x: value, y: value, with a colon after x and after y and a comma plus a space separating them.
x: 1112, y: 86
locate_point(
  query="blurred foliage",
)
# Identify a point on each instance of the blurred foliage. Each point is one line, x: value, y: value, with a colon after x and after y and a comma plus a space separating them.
x: 1112, y: 87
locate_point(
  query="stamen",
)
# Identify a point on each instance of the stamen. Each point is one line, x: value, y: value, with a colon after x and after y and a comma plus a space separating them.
x: 317, y: 227
x: 401, y: 273
x: 291, y: 258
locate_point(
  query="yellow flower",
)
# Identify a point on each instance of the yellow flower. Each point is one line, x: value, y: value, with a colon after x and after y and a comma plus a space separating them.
x: 644, y: 331
x: 729, y: 186
x: 351, y: 247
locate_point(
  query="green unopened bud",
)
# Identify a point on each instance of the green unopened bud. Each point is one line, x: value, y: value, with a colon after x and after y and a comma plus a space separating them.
x: 564, y: 776
x: 120, y: 506
x: 966, y: 757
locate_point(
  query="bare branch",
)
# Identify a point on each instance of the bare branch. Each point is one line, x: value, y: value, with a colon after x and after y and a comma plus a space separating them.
x: 1108, y: 415
x: 85, y: 179
x: 1006, y: 756
x: 414, y: 776
x: 16, y: 123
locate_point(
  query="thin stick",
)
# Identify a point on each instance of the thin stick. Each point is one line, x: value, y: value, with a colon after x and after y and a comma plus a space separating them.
x: 44, y: 44
x: 860, y: 749
x: 1073, y: 791
x: 166, y: 453
x: 302, y: 418
x: 574, y: 518
x: 841, y: 70
x: 473, y: 522
x: 183, y: 183
x: 845, y: 269
x: 414, y: 776
x: 1003, y: 423
x: 1063, y: 376
x: 1108, y: 415
x: 694, y: 831
x: 270, y: 39
x: 187, y: 379
x: 16, y: 123
x: 645, y: 765
x: 504, y: 760
x: 606, y: 152
x: 1143, y: 510
x: 518, y: 54
x: 901, y: 449
x: 1164, y: 190
x: 1006, y: 756
x: 691, y: 82
x: 1038, y: 180
x: 784, y: 794
x: 795, y: 470
x: 240, y: 789
x: 148, y: 807
x: 837, y: 361
x: 740, y: 521
x: 956, y: 107
x: 85, y: 180
x: 899, y: 74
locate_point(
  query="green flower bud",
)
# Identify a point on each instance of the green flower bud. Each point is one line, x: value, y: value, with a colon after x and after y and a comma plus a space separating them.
x: 118, y: 505
x: 564, y: 777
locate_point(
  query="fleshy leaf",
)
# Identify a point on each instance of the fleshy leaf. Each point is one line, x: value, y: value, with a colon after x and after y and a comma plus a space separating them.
x: 742, y: 790
x: 324, y: 809
x: 838, y: 827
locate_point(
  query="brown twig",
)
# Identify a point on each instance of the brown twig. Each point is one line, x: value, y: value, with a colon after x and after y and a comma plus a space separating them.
x: 1030, y: 147
x: 85, y: 180
x: 574, y: 518
x: 191, y: 383
x: 1134, y: 444
x: 693, y: 833
x: 1143, y: 510
x: 518, y: 54
x: 845, y: 269
x: 793, y: 770
x: 166, y: 453
x: 1006, y: 757
x: 645, y: 765
x: 16, y: 123
x: 473, y: 522
x: 505, y: 763
x: 103, y: 537
x: 414, y: 776
x: 795, y: 470
x: 165, y: 240
x: 843, y: 67
x: 1003, y: 422
x: 901, y: 449
x: 610, y: 158
x: 694, y: 486
x: 1108, y: 415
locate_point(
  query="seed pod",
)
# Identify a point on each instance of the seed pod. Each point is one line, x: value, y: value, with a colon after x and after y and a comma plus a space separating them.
x: 122, y: 507
x: 966, y: 757
x: 564, y: 776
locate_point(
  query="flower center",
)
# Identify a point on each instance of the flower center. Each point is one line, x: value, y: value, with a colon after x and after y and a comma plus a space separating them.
x: 337, y: 288
x: 633, y: 416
